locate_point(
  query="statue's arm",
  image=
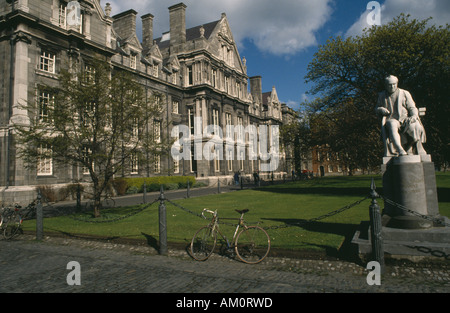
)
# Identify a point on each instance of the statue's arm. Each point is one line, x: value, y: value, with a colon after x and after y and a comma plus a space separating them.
x: 380, y: 110
x: 411, y: 105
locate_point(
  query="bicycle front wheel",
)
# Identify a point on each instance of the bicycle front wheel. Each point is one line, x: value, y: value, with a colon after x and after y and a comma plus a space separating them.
x: 203, y: 243
x: 252, y: 244
x: 12, y: 227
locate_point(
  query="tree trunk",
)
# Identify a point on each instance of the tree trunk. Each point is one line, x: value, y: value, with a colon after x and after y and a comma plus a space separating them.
x: 97, y: 198
x: 97, y: 207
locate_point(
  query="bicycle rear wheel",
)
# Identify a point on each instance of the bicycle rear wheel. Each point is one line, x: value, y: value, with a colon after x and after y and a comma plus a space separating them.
x: 252, y: 244
x: 203, y: 243
x: 12, y: 226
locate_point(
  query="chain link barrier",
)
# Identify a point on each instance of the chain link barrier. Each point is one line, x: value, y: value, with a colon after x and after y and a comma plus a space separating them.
x: 312, y: 220
x: 146, y: 206
x: 321, y: 217
x: 31, y: 208
x: 405, y: 209
x: 183, y: 208
x: 30, y: 212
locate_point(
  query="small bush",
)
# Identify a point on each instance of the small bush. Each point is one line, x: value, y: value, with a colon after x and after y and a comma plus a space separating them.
x: 120, y: 185
x: 200, y: 184
x: 47, y: 193
x: 171, y: 186
x: 132, y: 190
x: 136, y: 184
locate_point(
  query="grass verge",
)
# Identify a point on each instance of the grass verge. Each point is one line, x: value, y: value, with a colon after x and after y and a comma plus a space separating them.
x: 282, y: 208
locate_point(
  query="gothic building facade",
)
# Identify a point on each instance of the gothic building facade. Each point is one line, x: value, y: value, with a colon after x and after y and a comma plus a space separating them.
x: 196, y: 72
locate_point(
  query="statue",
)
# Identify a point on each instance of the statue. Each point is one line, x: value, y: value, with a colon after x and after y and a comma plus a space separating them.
x: 402, y: 131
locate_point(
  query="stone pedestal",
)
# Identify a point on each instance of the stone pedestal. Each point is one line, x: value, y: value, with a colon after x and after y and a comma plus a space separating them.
x: 409, y: 181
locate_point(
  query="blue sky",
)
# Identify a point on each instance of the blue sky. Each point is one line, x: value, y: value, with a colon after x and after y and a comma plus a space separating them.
x: 279, y: 38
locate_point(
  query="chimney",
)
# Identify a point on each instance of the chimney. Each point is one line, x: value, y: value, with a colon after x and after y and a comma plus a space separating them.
x: 125, y: 24
x: 177, y: 15
x: 147, y: 31
x: 256, y: 88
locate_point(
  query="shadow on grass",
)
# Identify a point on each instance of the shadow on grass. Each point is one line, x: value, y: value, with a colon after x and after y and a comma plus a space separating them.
x: 443, y: 194
x: 346, y: 251
x: 82, y: 236
x: 151, y: 241
x: 325, y: 191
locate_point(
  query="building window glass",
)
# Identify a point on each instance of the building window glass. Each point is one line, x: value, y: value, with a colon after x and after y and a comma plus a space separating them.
x: 89, y: 74
x: 191, y: 121
x: 175, y: 105
x: 134, y: 163
x: 214, y: 78
x: 215, y: 119
x: 176, y: 166
x: 190, y: 77
x: 157, y: 131
x: 64, y: 14
x: 155, y: 70
x: 45, y: 103
x: 174, y: 78
x: 157, y: 164
x: 133, y: 61
x: 44, y: 161
x: 216, y: 160
x: 47, y: 62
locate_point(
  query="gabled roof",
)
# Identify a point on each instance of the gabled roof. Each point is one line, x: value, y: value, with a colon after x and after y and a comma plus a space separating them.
x: 271, y: 96
x: 194, y: 32
x: 265, y: 97
x: 191, y: 34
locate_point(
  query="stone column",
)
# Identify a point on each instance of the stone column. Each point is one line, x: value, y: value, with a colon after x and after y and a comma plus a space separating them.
x: 409, y: 182
x: 19, y: 111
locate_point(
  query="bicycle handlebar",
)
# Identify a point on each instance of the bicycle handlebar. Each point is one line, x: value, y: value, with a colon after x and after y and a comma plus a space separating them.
x: 208, y: 211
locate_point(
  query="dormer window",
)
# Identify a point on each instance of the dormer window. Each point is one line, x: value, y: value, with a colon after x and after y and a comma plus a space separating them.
x: 174, y: 78
x: 133, y: 61
x: 155, y: 70
x: 70, y: 18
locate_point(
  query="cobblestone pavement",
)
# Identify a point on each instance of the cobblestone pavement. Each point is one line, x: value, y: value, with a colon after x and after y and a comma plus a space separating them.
x: 30, y: 266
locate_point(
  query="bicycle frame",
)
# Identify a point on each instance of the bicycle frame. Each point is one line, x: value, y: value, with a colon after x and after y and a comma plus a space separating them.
x: 250, y: 243
x: 214, y: 224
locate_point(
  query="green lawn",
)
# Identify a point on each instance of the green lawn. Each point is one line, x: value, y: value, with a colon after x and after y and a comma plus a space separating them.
x: 278, y: 205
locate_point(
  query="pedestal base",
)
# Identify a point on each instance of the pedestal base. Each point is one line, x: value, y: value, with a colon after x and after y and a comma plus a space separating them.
x: 406, y: 222
x: 409, y: 181
x: 407, y: 243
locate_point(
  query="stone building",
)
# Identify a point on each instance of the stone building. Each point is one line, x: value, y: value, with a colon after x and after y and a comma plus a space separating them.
x: 196, y: 72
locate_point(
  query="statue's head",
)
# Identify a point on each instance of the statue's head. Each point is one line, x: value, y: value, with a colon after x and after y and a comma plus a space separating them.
x: 391, y: 83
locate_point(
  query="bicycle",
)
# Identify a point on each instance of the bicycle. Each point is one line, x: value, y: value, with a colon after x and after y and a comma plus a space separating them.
x: 11, y: 221
x: 251, y: 244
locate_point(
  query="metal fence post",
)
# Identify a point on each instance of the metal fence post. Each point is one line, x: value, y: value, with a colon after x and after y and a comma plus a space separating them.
x: 162, y: 224
x: 145, y: 193
x: 78, y: 197
x: 242, y: 183
x: 39, y: 218
x: 375, y: 228
x: 188, y: 189
x: 218, y: 185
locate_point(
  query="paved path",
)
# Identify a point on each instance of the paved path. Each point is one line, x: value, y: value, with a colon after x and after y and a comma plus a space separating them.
x: 30, y: 266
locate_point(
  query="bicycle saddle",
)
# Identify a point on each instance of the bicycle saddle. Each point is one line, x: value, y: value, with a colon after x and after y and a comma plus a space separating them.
x: 242, y: 211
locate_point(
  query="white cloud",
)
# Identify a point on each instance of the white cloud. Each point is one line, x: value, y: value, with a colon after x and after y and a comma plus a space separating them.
x: 293, y: 104
x: 282, y: 27
x: 439, y: 10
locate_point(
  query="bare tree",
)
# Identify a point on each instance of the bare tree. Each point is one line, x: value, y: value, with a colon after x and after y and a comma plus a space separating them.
x: 95, y: 119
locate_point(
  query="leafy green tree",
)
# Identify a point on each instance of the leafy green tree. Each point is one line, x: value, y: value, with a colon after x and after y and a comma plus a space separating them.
x: 95, y: 120
x: 350, y: 72
x: 295, y: 137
